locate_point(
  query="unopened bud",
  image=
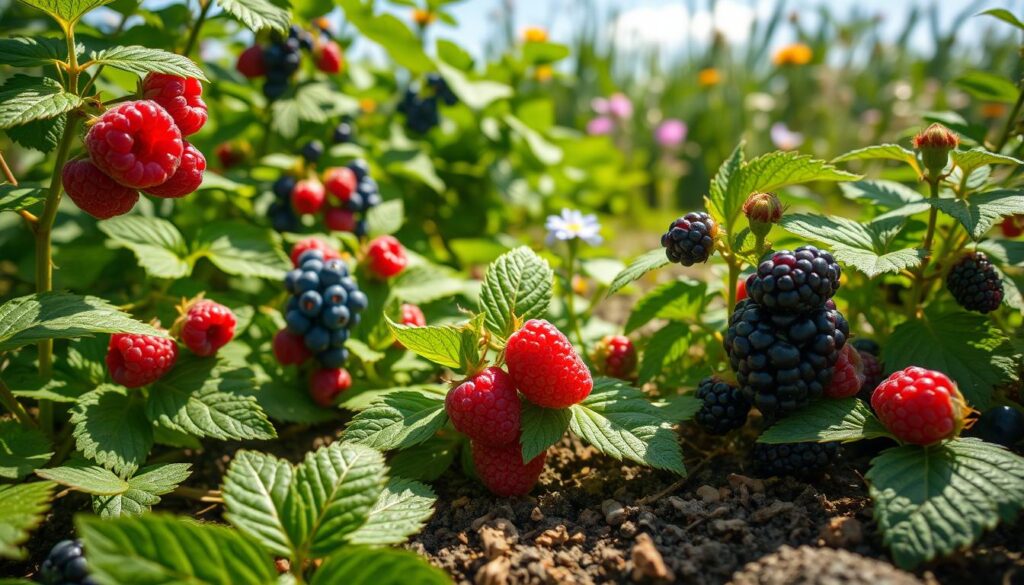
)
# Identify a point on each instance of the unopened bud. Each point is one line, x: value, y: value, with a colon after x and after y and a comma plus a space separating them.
x: 762, y: 210
x: 934, y: 144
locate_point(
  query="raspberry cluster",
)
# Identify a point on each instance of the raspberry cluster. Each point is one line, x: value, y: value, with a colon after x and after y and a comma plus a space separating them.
x: 279, y: 60
x: 66, y: 565
x: 920, y: 406
x: 975, y: 284
x: 342, y: 195
x: 140, y: 145
x: 421, y: 108
x: 615, y: 356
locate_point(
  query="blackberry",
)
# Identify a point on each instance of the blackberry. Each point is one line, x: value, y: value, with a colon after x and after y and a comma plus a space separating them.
x: 690, y: 239
x: 975, y: 284
x: 795, y: 281
x: 441, y: 89
x: 725, y: 407
x: 783, y: 362
x: 867, y: 345
x: 1003, y: 425
x: 343, y: 133
x: 312, y: 151
x: 793, y: 458
x: 421, y: 113
x: 66, y: 565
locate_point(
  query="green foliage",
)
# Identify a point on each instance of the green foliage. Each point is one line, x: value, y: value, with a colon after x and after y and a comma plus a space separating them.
x: 638, y: 268
x: 25, y: 99
x: 15, y: 198
x: 542, y: 427
x: 111, y: 428
x: 66, y: 12
x: 365, y: 566
x: 398, y: 420
x: 401, y: 511
x: 864, y: 247
x: 22, y: 509
x: 517, y: 286
x: 143, y: 60
x: 979, y: 212
x: 257, y: 14
x: 675, y: 300
x: 846, y: 419
x: 22, y: 449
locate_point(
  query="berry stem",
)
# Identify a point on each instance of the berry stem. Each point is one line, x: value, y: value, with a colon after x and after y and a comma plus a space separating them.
x: 917, y: 292
x: 570, y: 295
x: 193, y: 35
x: 11, y: 403
x: 734, y: 277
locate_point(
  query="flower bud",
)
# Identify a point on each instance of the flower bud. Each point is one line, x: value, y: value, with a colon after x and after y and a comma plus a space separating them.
x: 762, y: 210
x: 934, y: 144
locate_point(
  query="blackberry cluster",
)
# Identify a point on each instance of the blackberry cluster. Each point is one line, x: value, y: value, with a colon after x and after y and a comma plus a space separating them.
x: 795, y: 281
x: 279, y: 60
x: 344, y: 133
x: 65, y: 565
x: 344, y: 197
x: 1003, y: 425
x: 325, y: 304
x: 794, y: 458
x: 975, y: 284
x: 690, y: 239
x: 421, y: 112
x: 725, y: 408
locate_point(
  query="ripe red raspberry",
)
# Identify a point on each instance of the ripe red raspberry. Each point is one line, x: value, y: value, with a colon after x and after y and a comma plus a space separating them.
x: 920, y: 406
x: 327, y: 384
x: 486, y: 408
x: 545, y: 366
x: 340, y: 182
x: 186, y: 179
x: 872, y: 372
x: 182, y: 97
x: 137, y: 360
x: 290, y: 349
x: 501, y: 469
x: 250, y: 62
x: 313, y: 244
x: 308, y: 196
x: 339, y: 220
x: 386, y: 257
x: 615, y: 356
x: 849, y: 374
x: 205, y: 327
x: 329, y: 58
x: 136, y: 143
x: 94, y: 192
x: 412, y: 315
x: 1012, y: 226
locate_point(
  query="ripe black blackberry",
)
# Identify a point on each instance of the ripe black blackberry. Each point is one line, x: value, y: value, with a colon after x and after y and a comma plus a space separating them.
x: 794, y: 282
x: 690, y: 239
x: 725, y: 407
x: 975, y: 284
x: 793, y: 458
x: 65, y: 565
x: 784, y: 361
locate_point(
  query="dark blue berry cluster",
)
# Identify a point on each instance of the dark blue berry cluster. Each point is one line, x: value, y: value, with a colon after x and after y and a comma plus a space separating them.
x: 325, y: 304
x: 65, y: 565
x: 282, y: 217
x: 283, y: 56
x: 421, y: 112
x: 343, y: 132
x: 357, y: 202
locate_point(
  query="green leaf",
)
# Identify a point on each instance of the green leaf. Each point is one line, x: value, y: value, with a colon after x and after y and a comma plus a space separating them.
x: 861, y: 246
x: 22, y: 508
x: 727, y: 172
x: 475, y: 94
x: 14, y: 198
x: 402, y: 510
x: 66, y: 11
x: 898, y: 198
x: 158, y: 245
x: 846, y: 419
x: 386, y: 218
x: 281, y: 401
x: 359, y: 565
x: 397, y: 421
x: 441, y: 344
x: 638, y: 268
x: 517, y: 285
x: 544, y: 52
x: 208, y: 398
x: 32, y: 51
x: 618, y: 421
x: 143, y: 60
x: 41, y: 135
x: 545, y: 152
x: 677, y: 299
x: 932, y: 501
x: 1006, y: 252
x: 59, y: 315
x: 965, y: 346
x: 24, y: 99
x: 881, y: 151
x: 970, y: 160
x: 426, y: 461
x: 979, y: 212
x: 413, y: 164
x: 257, y: 15
x: 86, y: 477
x: 111, y: 428
x: 1004, y: 15
x: 988, y: 87
x: 144, y: 491
x: 667, y: 345
x: 679, y: 408
x: 156, y: 548
x: 401, y: 44
x: 542, y: 427
x: 257, y: 489
x: 242, y: 249
x: 22, y: 449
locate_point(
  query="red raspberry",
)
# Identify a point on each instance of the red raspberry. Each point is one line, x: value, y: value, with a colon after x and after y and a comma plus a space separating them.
x: 741, y: 290
x: 486, y: 408
x: 186, y: 179
x: 182, y: 97
x: 307, y: 244
x: 386, y: 257
x: 136, y: 143
x: 308, y: 196
x: 546, y: 367
x: 230, y: 154
x: 412, y: 315
x: 615, y: 356
x: 327, y: 384
x: 1012, y: 226
x: 872, y: 371
x: 339, y: 220
x: 920, y: 406
x: 94, y: 192
x: 250, y: 62
x: 849, y: 374
x: 329, y: 59
x: 290, y: 349
x: 340, y: 182
x: 137, y: 360
x: 206, y: 327
x: 502, y: 470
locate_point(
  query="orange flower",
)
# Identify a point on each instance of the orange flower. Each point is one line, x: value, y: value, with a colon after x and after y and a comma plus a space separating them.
x: 535, y: 34
x: 543, y: 73
x: 368, y: 105
x: 709, y: 77
x: 795, y: 54
x: 423, y: 18
x: 993, y: 111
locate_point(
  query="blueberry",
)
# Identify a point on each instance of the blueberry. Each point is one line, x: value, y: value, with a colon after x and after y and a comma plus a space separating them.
x: 333, y: 358
x: 291, y: 278
x: 332, y: 273
x: 284, y: 221
x: 1003, y: 425
x: 335, y: 316
x: 313, y: 150
x: 292, y: 304
x: 76, y: 569
x: 367, y: 186
x: 283, y: 186
x: 349, y: 284
x: 273, y: 55
x: 274, y: 88
x: 310, y: 303
x: 297, y: 322
x: 339, y: 337
x: 317, y: 339
x: 294, y: 31
x: 435, y: 80
x: 353, y: 321
x: 372, y: 200
x: 360, y: 168
x: 355, y: 202
x: 357, y: 301
x: 361, y: 228
x: 335, y: 295
x: 343, y: 133
x: 313, y: 265
x: 308, y: 281
x: 311, y: 254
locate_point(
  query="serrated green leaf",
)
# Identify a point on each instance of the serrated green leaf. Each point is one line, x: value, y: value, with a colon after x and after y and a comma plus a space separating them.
x: 14, y: 198
x: 257, y: 15
x: 111, y: 428
x: 441, y: 344
x: 86, y: 477
x: 969, y: 160
x: 32, y: 51
x: 156, y: 548
x: 22, y: 508
x: 158, y: 245
x: 256, y: 492
x: 979, y: 212
x: 428, y: 460
x: 517, y: 285
x: 1003, y: 15
x: 618, y: 421
x: 861, y: 246
x: 678, y: 299
x: 386, y: 218
x: 965, y: 346
x: 22, y: 450
x: 896, y: 197
x: 883, y: 152
x: 358, y: 400
x: 666, y: 345
x: 1006, y: 252
x: 726, y: 173
x: 987, y: 86
x: 543, y: 150
x: 282, y: 400
x: 475, y: 94
x: 142, y: 60
x: 846, y: 419
x: 401, y: 511
x: 359, y: 565
x: 364, y: 353
x: 42, y: 135
x: 66, y: 11
x: 24, y: 99
x: 144, y: 491
x: 932, y: 501
x: 679, y: 408
x: 397, y: 421
x: 640, y: 266
x: 541, y: 428
x: 242, y: 250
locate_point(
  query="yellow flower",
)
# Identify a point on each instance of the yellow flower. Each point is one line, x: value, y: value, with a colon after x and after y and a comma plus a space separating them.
x: 543, y: 73
x: 423, y: 18
x: 535, y: 34
x: 795, y: 54
x: 709, y: 77
x: 368, y: 105
x: 993, y: 110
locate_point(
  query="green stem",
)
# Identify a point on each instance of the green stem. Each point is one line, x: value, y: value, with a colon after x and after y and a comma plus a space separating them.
x: 11, y: 403
x: 917, y: 292
x: 734, y: 277
x: 570, y: 295
x: 193, y: 35
x: 1010, y: 122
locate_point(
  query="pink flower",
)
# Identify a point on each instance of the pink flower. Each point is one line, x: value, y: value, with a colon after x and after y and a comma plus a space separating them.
x: 785, y: 139
x: 619, y: 106
x: 600, y: 106
x: 600, y: 126
x: 670, y: 133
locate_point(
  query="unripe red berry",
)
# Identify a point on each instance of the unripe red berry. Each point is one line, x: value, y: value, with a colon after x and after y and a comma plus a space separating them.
x: 308, y: 196
x: 326, y: 385
x: 290, y: 349
x: 339, y: 220
x: 330, y: 59
x: 385, y: 257
x: 615, y: 356
x: 340, y: 182
x: 250, y: 62
x: 934, y: 144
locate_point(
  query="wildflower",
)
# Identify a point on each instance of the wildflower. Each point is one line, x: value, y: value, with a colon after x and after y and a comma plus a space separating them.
x: 535, y: 34
x: 670, y: 133
x: 600, y: 106
x: 619, y: 106
x: 543, y: 73
x: 785, y: 139
x: 794, y: 54
x: 709, y: 77
x: 993, y: 110
x: 600, y: 126
x: 571, y: 224
x: 368, y: 105
x: 423, y: 18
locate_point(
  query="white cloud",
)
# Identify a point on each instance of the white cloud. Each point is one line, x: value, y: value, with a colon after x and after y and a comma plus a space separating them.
x: 670, y: 26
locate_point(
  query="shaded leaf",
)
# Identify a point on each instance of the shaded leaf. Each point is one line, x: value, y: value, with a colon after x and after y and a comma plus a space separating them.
x: 846, y: 419
x: 111, y: 428
x: 22, y: 509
